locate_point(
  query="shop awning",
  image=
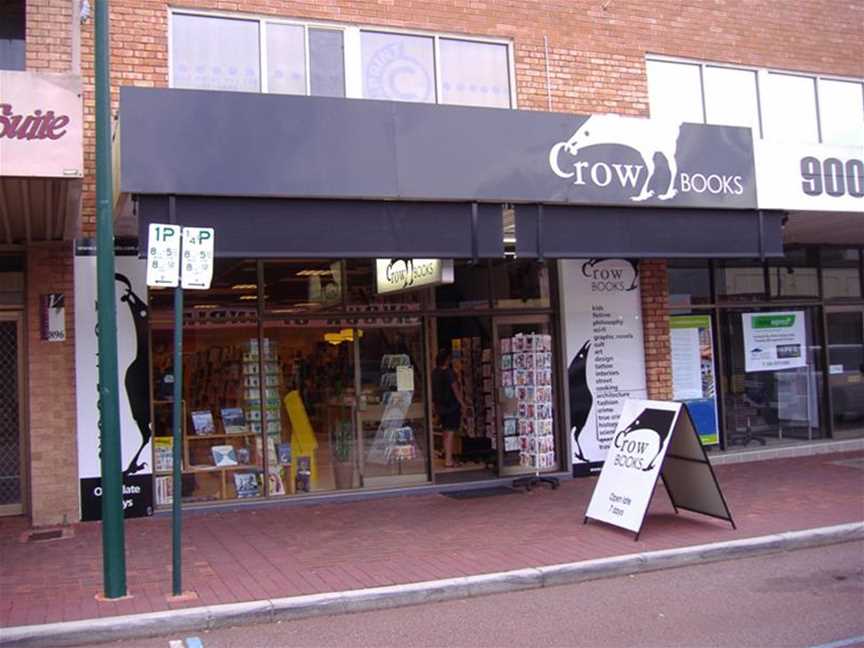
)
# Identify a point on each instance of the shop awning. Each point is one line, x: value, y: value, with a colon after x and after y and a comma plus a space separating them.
x: 259, y: 227
x: 578, y: 232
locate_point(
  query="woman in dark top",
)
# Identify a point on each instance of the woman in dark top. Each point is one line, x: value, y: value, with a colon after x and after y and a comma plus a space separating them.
x: 448, y: 402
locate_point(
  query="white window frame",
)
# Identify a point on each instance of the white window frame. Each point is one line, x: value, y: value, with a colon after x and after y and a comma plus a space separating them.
x: 761, y: 76
x: 351, y: 46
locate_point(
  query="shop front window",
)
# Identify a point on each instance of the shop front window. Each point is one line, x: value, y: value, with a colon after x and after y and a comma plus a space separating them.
x: 521, y: 284
x: 846, y: 369
x: 794, y: 276
x: 689, y: 283
x: 841, y: 273
x: 365, y: 293
x: 773, y: 381
x: 470, y: 288
x: 739, y: 280
x: 293, y: 287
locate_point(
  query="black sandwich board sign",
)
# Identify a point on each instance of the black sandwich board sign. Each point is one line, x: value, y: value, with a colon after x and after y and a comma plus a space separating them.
x: 655, y: 439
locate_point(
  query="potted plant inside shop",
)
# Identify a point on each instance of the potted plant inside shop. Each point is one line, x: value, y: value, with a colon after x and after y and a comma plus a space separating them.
x: 343, y: 464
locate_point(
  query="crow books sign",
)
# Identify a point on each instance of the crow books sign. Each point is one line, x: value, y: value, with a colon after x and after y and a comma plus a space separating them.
x: 324, y: 147
x: 133, y: 377
x: 655, y: 439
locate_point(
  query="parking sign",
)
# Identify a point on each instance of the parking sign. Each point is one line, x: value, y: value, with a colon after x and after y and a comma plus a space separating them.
x: 197, y: 257
x: 163, y: 255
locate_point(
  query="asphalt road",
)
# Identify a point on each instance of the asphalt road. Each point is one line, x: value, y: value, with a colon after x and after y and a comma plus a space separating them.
x: 813, y: 597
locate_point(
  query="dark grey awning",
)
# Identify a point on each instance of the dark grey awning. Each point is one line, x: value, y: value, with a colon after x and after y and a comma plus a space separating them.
x: 260, y: 227
x: 579, y: 232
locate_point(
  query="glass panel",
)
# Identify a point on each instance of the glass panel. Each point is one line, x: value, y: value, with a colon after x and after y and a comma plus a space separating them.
x: 689, y: 283
x: 12, y: 35
x: 730, y: 97
x: 215, y: 53
x: 692, y: 353
x: 675, y: 91
x: 521, y: 284
x: 392, y: 409
x: 794, y: 275
x: 286, y: 59
x: 771, y: 406
x: 841, y: 112
x: 470, y: 287
x: 465, y: 437
x: 526, y: 397
x: 310, y: 410
x: 363, y: 292
x: 398, y: 67
x: 474, y: 74
x: 846, y: 371
x: 739, y: 280
x: 302, y: 286
x: 327, y: 62
x: 789, y: 108
x: 841, y: 274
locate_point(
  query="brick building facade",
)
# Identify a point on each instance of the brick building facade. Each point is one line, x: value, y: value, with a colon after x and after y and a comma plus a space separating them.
x: 569, y: 57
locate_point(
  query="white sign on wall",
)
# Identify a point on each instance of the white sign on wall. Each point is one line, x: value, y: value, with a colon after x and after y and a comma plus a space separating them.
x: 605, y: 351
x: 812, y: 177
x: 774, y: 341
x: 399, y: 275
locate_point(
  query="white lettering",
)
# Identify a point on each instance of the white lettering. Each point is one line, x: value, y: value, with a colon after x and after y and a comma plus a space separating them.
x: 607, y: 172
x: 628, y: 174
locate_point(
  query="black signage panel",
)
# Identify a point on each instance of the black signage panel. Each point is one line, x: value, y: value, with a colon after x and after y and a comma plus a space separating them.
x: 191, y: 142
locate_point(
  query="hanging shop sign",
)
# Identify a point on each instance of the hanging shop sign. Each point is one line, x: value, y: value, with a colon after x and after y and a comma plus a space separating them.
x: 814, y: 177
x: 693, y: 383
x: 402, y: 275
x: 52, y: 317
x: 133, y: 378
x: 41, y: 117
x: 654, y: 439
x: 605, y: 352
x: 774, y: 341
x: 324, y: 147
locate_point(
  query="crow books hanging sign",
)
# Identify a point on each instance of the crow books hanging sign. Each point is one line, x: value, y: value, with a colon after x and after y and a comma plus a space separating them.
x: 655, y: 439
x: 133, y: 375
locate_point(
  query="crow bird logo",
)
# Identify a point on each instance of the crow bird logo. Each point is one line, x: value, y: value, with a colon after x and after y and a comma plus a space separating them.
x: 657, y: 421
x: 581, y: 398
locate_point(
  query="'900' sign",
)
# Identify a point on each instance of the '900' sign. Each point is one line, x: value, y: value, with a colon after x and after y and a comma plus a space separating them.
x: 832, y: 177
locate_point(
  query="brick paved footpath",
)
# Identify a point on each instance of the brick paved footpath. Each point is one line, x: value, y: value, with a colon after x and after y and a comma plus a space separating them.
x: 249, y: 554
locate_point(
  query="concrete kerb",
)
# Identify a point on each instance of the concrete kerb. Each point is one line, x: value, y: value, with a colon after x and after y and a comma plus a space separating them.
x: 91, y: 631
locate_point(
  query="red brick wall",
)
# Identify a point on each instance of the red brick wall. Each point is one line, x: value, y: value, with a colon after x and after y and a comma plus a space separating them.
x: 51, y: 393
x: 49, y: 35
x: 655, y: 321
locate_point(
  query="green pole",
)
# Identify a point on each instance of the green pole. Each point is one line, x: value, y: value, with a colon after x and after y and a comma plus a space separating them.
x: 176, y: 565
x: 113, y: 550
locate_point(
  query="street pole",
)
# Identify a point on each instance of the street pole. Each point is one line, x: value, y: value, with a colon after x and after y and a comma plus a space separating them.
x: 113, y: 542
x: 177, y: 490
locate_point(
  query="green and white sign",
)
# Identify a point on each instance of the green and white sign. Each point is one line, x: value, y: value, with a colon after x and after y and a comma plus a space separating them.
x: 774, y: 341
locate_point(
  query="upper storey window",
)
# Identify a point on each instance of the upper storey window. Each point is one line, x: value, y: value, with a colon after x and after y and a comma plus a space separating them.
x: 249, y: 54
x: 776, y: 105
x: 12, y: 35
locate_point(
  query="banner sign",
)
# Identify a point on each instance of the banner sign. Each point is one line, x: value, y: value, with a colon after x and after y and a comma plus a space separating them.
x: 605, y: 351
x: 133, y: 376
x: 693, y: 382
x: 774, y: 341
x: 401, y: 275
x: 653, y: 439
x: 810, y: 177
x: 325, y: 147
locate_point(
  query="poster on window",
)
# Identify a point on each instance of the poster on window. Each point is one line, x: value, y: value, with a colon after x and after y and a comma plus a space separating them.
x: 605, y: 351
x: 693, y: 381
x: 774, y: 341
x: 130, y: 290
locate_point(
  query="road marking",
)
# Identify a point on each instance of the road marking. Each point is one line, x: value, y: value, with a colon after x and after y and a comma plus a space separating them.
x: 842, y: 642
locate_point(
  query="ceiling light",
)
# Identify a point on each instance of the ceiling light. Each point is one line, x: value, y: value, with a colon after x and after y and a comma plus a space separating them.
x: 244, y: 287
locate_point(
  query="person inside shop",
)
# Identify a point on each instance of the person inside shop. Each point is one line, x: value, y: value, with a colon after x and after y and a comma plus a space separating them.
x: 447, y: 398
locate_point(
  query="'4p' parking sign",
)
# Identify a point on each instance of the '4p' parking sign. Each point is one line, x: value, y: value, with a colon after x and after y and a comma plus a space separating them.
x: 197, y: 269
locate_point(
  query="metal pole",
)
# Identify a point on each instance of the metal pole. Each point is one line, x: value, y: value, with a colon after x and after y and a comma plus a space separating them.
x: 113, y: 542
x: 176, y: 545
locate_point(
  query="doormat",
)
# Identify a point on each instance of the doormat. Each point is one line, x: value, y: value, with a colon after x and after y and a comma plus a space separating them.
x: 46, y: 535
x: 473, y: 493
